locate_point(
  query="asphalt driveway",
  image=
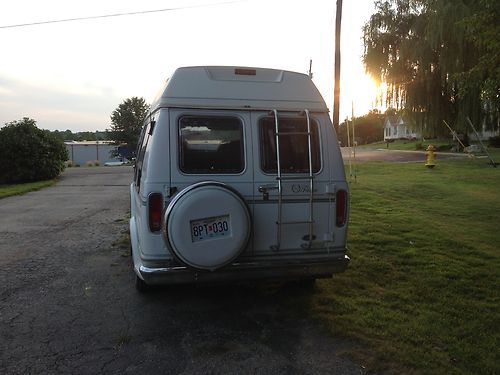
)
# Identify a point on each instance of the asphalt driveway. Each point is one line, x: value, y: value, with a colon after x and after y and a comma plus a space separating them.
x: 68, y: 304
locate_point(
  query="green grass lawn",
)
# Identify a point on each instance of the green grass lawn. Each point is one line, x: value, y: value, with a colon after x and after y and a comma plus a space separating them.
x: 9, y: 190
x: 422, y: 292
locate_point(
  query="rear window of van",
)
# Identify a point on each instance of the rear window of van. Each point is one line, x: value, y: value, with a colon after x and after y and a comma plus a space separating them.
x: 211, y: 144
x: 294, y: 149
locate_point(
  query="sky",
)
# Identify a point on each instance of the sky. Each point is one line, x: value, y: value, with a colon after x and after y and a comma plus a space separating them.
x: 72, y: 75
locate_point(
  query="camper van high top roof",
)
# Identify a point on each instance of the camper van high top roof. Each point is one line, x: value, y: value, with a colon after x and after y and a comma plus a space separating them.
x: 239, y: 87
x: 238, y: 177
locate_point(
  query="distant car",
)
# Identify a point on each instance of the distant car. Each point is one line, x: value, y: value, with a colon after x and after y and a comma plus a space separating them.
x: 116, y: 163
x: 113, y: 163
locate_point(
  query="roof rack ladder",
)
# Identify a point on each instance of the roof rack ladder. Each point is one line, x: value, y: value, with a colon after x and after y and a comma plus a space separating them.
x: 280, y: 178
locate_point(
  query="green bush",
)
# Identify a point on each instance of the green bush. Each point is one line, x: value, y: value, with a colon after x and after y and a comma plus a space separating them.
x: 29, y: 154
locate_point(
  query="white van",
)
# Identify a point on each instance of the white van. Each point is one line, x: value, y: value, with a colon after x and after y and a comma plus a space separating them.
x: 238, y: 176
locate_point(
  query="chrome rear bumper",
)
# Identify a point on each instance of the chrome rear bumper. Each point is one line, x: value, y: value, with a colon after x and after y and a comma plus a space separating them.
x: 246, y: 271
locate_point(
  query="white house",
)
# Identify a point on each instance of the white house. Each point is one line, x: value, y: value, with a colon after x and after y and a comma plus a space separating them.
x: 485, y: 134
x: 396, y: 128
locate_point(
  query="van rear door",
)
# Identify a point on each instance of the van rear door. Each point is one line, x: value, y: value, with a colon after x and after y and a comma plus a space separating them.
x: 289, y: 217
x: 208, y: 219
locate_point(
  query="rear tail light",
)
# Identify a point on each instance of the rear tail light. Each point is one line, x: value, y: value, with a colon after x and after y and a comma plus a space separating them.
x: 155, y: 206
x: 341, y: 208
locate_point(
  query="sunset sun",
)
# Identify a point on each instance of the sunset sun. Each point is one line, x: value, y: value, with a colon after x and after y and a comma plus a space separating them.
x: 362, y: 93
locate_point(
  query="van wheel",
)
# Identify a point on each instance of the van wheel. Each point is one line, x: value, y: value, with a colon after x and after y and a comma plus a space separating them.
x: 307, y: 283
x: 141, y: 285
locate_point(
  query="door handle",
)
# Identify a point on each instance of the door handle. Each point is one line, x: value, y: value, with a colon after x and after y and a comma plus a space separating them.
x: 264, y: 189
x: 267, y: 187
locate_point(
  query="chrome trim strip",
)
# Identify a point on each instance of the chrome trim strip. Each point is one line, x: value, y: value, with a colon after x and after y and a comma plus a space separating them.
x: 304, y: 200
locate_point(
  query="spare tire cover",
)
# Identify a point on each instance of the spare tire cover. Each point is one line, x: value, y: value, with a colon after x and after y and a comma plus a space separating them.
x: 207, y: 225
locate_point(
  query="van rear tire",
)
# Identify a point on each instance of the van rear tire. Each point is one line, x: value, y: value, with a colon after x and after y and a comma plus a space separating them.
x: 141, y: 285
x: 308, y: 282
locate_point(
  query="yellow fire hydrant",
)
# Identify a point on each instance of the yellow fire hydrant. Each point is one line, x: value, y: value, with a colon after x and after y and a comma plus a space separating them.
x: 430, y: 157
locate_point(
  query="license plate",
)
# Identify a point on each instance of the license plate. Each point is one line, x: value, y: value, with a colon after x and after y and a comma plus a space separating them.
x: 210, y: 228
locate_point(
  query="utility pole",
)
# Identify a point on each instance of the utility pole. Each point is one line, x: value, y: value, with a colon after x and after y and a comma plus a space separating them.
x: 354, y: 144
x: 336, y: 90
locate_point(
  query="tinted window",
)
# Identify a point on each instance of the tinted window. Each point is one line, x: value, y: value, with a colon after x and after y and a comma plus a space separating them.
x: 294, y: 151
x: 141, y: 149
x: 211, y: 145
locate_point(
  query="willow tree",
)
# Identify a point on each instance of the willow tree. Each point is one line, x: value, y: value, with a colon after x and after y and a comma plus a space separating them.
x: 482, y: 29
x: 427, y: 53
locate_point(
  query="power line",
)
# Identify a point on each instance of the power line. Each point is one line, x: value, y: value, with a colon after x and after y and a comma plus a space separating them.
x: 117, y: 15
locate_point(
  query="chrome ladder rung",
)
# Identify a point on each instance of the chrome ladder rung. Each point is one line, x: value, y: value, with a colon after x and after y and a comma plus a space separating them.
x: 292, y: 133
